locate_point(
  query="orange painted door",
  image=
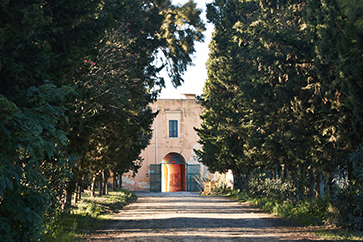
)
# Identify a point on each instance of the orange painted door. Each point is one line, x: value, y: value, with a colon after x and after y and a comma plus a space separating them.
x: 174, y: 178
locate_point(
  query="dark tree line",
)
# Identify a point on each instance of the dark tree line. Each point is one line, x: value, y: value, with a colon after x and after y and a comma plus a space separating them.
x: 284, y: 93
x: 76, y: 79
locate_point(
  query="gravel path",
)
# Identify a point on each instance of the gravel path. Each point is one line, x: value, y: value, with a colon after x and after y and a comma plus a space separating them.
x: 185, y: 216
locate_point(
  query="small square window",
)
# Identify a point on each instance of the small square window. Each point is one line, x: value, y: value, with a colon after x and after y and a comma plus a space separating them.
x: 173, y: 128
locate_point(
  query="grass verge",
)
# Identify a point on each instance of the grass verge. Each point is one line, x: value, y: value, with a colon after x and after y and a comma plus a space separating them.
x: 88, y: 214
x: 307, y: 213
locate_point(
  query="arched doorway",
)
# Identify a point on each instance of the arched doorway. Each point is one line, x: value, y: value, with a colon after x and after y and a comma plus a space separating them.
x: 173, y: 173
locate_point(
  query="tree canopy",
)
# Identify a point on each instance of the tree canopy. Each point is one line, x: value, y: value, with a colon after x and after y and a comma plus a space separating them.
x: 283, y: 91
x: 76, y: 80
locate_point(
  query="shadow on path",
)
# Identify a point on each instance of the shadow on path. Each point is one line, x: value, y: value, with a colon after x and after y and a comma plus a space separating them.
x: 188, y: 217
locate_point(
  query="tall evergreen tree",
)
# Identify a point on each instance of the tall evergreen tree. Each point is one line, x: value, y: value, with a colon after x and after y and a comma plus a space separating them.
x: 62, y: 90
x: 277, y: 80
x: 36, y: 62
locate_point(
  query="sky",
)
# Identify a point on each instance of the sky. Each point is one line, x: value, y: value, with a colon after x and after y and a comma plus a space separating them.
x: 195, y: 76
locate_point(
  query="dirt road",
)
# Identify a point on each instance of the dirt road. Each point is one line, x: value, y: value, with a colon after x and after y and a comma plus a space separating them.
x: 186, y: 216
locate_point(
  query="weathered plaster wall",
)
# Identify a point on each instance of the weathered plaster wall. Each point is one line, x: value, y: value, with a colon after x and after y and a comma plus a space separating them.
x: 160, y: 145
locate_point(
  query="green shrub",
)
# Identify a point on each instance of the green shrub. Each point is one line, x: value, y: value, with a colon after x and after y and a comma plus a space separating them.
x: 239, y: 195
x: 349, y: 199
x: 260, y: 187
x: 220, y: 188
x: 90, y: 214
x: 285, y: 210
x: 308, y: 212
x: 93, y: 209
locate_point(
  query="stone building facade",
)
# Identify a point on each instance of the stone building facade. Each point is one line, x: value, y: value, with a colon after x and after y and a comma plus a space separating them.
x: 169, y: 161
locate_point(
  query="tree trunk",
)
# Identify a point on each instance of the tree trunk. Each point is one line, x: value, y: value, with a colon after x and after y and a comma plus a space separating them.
x: 80, y: 189
x: 119, y: 186
x: 102, y: 178
x: 75, y: 199
x: 274, y: 174
x: 93, y: 186
x: 68, y: 198
x: 290, y: 174
x: 105, y: 183
x: 311, y: 183
x: 100, y: 186
x: 292, y: 178
x: 301, y: 181
x: 80, y: 179
x: 80, y: 194
x: 331, y: 174
x: 319, y: 184
x: 350, y: 169
x: 322, y: 185
x: 114, y: 184
x: 331, y: 186
x: 69, y: 192
x: 283, y: 172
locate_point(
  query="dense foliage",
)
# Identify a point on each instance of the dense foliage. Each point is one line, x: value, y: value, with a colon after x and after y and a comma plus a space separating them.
x: 90, y: 213
x: 282, y: 103
x: 350, y: 197
x: 76, y: 79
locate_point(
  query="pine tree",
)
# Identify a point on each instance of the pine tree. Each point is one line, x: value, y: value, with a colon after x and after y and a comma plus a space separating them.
x: 275, y: 82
